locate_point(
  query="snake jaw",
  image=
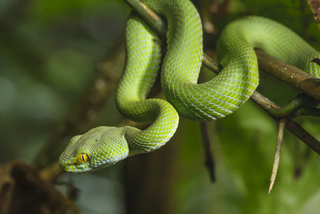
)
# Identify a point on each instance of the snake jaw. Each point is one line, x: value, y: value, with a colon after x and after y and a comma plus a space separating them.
x: 73, y: 166
x: 94, y: 162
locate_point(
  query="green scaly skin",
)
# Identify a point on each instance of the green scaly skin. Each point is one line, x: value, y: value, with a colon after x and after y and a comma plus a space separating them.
x: 216, y: 98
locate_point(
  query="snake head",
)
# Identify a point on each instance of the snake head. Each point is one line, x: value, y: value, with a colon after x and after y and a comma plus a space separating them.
x: 98, y: 148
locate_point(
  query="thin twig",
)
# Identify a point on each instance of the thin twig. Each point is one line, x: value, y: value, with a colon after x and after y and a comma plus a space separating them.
x: 292, y: 126
x: 209, y: 160
x: 300, y: 106
x: 276, y: 161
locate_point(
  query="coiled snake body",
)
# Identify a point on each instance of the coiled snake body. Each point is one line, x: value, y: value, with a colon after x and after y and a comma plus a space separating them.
x: 105, y: 146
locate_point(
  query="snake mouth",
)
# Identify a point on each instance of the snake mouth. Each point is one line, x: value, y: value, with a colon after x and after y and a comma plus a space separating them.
x: 75, y: 168
x: 85, y: 167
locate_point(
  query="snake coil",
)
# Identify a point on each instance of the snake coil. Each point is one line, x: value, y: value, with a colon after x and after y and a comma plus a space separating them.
x: 105, y: 146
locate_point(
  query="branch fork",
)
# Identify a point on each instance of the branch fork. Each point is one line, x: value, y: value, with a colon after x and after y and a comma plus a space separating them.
x: 301, y: 106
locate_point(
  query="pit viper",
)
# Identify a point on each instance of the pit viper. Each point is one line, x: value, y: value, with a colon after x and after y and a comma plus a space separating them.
x: 104, y: 146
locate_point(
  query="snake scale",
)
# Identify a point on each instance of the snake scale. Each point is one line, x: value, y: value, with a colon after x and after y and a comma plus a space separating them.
x: 104, y: 146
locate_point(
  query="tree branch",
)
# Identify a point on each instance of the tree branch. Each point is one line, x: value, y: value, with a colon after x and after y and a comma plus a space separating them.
x: 288, y: 73
x: 291, y: 125
x: 315, y: 5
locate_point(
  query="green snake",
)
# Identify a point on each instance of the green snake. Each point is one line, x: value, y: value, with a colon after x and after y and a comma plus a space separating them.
x: 104, y: 146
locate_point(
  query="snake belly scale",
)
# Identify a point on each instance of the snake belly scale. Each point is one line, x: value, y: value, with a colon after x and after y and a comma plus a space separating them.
x: 104, y: 146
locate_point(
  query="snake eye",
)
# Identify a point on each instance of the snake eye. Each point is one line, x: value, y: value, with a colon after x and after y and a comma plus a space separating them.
x: 83, y: 158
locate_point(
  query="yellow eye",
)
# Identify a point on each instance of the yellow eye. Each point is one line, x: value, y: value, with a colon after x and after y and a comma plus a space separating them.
x: 83, y: 158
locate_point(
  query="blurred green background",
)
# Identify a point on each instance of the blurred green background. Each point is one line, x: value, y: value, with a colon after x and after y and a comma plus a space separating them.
x: 49, y: 50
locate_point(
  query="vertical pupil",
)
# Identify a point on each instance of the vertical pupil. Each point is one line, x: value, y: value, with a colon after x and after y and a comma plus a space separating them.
x: 82, y: 157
